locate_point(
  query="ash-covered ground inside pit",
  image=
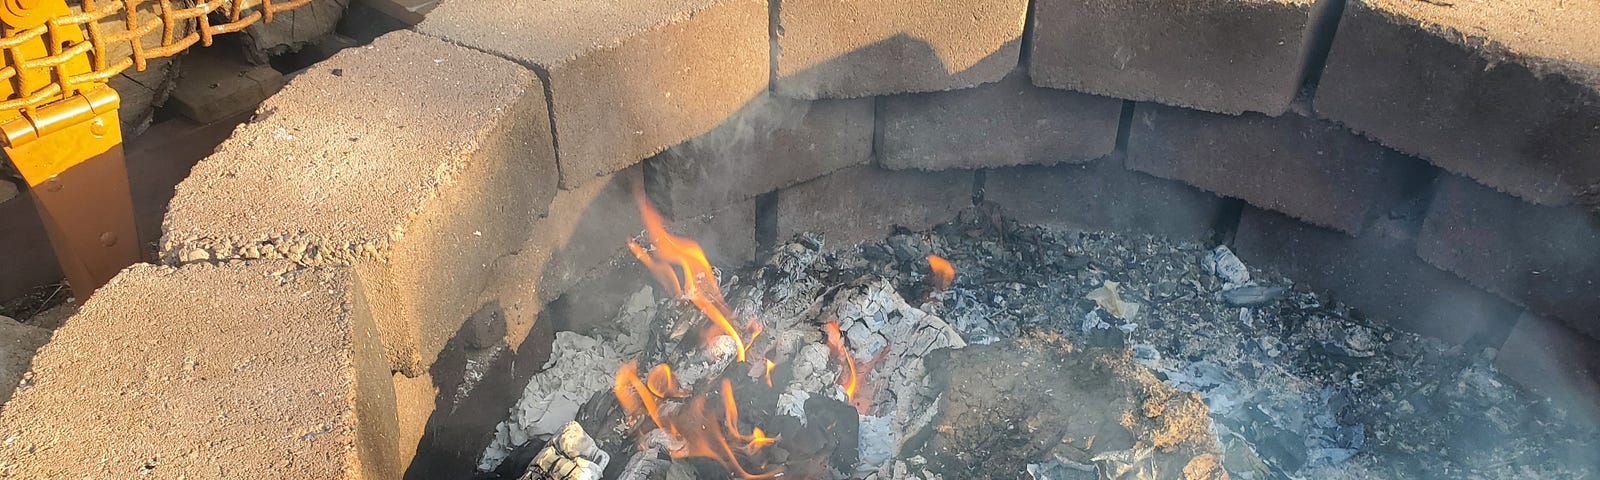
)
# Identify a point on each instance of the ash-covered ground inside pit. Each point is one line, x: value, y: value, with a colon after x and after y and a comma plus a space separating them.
x: 1086, y: 355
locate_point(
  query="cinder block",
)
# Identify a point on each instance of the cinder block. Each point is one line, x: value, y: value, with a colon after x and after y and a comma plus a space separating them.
x: 1377, y: 272
x: 216, y: 83
x: 771, y: 143
x: 210, y: 371
x: 1007, y: 123
x: 834, y: 49
x: 1309, y: 169
x: 1226, y: 56
x: 1544, y: 258
x: 1102, y: 196
x: 1552, y: 360
x: 865, y: 203
x: 1512, y: 104
x: 416, y: 161
x: 624, y: 83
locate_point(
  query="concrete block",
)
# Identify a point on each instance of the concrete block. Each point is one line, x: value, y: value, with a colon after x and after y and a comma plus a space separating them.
x: 1550, y: 359
x: 1007, y: 123
x: 1226, y: 56
x: 416, y: 161
x: 1507, y: 93
x: 865, y: 203
x: 624, y: 83
x: 772, y: 143
x: 210, y: 371
x: 1378, y: 272
x: 1102, y: 196
x: 217, y: 83
x: 1309, y: 169
x: 411, y: 12
x: 834, y: 49
x: 1544, y: 258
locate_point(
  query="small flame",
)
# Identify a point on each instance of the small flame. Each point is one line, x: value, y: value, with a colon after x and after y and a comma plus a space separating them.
x: 836, y: 343
x: 698, y: 283
x: 769, y: 373
x: 695, y: 422
x: 943, y: 273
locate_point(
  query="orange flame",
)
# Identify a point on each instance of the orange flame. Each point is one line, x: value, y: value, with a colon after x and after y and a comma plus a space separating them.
x: 769, y: 372
x: 695, y: 422
x: 836, y: 343
x: 680, y: 265
x: 698, y: 283
x: 943, y: 273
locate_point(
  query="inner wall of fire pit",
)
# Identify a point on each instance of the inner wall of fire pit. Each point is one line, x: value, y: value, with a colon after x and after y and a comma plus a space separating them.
x: 1318, y: 292
x: 1286, y: 271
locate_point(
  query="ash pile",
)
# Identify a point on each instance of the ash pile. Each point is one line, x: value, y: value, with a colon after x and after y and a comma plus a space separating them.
x: 987, y: 349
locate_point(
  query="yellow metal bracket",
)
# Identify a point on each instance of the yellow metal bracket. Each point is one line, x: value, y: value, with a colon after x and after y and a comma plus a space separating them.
x: 68, y: 148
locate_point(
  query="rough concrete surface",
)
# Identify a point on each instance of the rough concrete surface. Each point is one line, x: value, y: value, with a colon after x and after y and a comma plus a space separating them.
x: 773, y: 142
x: 1010, y: 122
x: 1505, y: 92
x: 17, y: 345
x: 866, y: 203
x: 624, y: 83
x: 1378, y: 272
x: 239, y: 370
x: 1310, y: 169
x: 1226, y: 56
x: 1102, y: 196
x: 1545, y: 258
x: 837, y: 49
x: 416, y: 161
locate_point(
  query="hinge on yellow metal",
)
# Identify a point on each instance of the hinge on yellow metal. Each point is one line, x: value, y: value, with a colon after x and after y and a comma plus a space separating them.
x: 57, y: 136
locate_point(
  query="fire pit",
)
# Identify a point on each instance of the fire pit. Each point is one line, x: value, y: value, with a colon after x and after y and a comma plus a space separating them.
x: 985, y: 348
x: 1058, y: 239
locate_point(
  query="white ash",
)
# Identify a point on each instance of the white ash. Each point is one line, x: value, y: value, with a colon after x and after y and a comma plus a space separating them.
x: 579, y: 367
x: 706, y: 363
x: 1225, y: 265
x: 898, y: 336
x: 571, y: 455
x: 814, y: 370
x: 793, y: 403
x: 1107, y: 298
x: 633, y: 319
x: 909, y: 469
x: 875, y: 442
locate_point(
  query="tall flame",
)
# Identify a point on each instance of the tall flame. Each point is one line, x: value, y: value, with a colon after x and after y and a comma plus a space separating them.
x: 698, y: 283
x: 836, y: 344
x: 680, y: 265
x: 943, y: 273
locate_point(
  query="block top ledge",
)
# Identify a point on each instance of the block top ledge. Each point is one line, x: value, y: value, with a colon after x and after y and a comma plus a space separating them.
x: 352, y: 148
x: 1565, y: 32
x: 547, y: 32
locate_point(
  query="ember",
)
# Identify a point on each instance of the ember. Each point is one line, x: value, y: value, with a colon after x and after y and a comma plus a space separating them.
x: 943, y: 273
